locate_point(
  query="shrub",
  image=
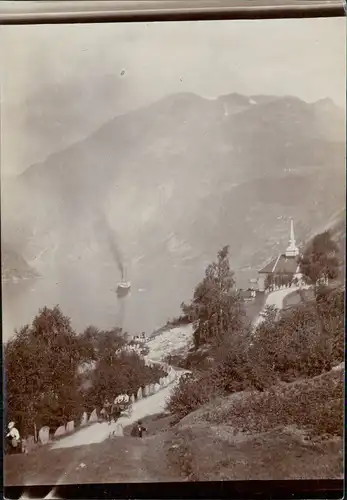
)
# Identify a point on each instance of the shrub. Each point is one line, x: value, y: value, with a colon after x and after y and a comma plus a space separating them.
x: 314, y: 405
x: 189, y: 395
x: 331, y: 305
x: 283, y: 347
x: 306, y: 340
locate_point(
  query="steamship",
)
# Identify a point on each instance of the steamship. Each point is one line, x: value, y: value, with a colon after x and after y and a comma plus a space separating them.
x: 123, y: 287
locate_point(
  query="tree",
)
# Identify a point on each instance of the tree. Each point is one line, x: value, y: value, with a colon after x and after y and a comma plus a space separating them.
x: 216, y: 309
x: 319, y: 261
x: 117, y: 373
x: 41, y: 364
x: 96, y: 343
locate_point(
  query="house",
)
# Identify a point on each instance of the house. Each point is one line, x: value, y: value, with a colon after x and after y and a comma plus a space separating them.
x: 282, y: 270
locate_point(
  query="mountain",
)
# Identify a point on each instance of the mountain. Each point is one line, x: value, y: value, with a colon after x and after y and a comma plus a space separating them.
x: 13, y: 266
x: 175, y: 181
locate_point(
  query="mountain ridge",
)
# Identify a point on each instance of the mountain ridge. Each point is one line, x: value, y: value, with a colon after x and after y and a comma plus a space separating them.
x: 263, y: 100
x: 175, y: 181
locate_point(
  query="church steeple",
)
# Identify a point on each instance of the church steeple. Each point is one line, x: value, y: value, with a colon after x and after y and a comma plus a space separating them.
x: 292, y: 249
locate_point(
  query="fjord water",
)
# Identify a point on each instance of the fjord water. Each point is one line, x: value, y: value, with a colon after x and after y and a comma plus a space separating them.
x: 92, y: 300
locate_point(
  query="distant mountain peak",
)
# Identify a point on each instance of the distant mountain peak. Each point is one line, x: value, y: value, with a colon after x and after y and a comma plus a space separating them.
x: 183, y: 97
x: 326, y: 101
x: 235, y: 96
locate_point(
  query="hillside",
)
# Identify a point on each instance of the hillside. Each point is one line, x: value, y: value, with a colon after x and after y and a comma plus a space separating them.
x: 290, y: 427
x: 13, y: 266
x: 234, y: 438
x: 177, y: 180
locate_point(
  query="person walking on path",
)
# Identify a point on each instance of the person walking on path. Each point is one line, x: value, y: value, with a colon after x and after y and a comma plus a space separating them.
x: 138, y: 430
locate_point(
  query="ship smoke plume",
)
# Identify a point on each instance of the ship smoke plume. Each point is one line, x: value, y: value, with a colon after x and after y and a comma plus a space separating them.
x: 109, y: 236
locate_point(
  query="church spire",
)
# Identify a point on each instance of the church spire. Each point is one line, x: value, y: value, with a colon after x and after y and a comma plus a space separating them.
x: 292, y: 249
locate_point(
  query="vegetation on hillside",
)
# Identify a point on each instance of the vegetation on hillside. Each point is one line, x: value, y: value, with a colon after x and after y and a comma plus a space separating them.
x: 52, y: 374
x: 301, y: 342
x: 216, y: 309
x: 297, y: 428
x: 319, y: 261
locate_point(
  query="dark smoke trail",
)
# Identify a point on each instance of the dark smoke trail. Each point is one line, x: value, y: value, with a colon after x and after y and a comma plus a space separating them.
x: 109, y: 235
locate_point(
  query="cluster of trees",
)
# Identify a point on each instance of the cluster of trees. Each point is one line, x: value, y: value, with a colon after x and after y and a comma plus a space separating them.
x: 303, y: 341
x: 53, y: 374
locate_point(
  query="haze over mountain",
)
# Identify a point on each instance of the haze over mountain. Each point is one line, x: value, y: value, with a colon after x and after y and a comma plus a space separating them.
x: 14, y: 267
x: 171, y: 183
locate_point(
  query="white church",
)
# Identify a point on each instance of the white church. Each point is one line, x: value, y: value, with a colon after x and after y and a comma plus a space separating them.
x: 284, y: 269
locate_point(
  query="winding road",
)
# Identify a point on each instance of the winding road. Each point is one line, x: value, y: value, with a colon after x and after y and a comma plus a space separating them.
x: 159, y: 347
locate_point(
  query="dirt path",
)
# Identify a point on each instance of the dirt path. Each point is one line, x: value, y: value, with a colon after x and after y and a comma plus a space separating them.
x: 100, y: 453
x: 98, y: 432
x: 159, y: 347
x: 125, y: 459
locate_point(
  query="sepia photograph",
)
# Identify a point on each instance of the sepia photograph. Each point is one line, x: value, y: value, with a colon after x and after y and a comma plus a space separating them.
x: 173, y: 203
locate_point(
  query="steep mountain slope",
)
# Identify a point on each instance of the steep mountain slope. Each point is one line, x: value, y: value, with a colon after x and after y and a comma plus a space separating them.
x: 175, y: 181
x: 13, y: 266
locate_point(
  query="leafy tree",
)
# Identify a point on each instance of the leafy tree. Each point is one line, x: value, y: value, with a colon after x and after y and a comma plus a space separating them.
x: 96, y: 343
x: 216, y: 309
x: 319, y: 261
x: 48, y: 366
x: 41, y: 364
x: 118, y: 373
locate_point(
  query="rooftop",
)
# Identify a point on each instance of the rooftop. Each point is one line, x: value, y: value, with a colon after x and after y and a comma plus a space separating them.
x: 281, y: 265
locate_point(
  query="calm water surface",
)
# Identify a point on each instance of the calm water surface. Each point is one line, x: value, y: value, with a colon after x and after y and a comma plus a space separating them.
x: 87, y: 301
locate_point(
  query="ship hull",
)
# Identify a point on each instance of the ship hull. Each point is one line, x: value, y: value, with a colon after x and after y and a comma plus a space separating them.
x: 123, y: 289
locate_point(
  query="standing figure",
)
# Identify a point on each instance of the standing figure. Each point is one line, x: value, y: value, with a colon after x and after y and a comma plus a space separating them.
x: 138, y: 430
x: 13, y: 437
x: 108, y: 410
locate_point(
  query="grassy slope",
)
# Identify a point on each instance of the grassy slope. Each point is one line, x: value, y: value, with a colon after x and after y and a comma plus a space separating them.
x: 270, y: 435
x: 277, y: 434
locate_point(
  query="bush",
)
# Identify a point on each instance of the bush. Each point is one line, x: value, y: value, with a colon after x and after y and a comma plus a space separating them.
x: 315, y: 405
x: 283, y: 347
x: 331, y: 306
x: 305, y: 341
x: 189, y: 395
